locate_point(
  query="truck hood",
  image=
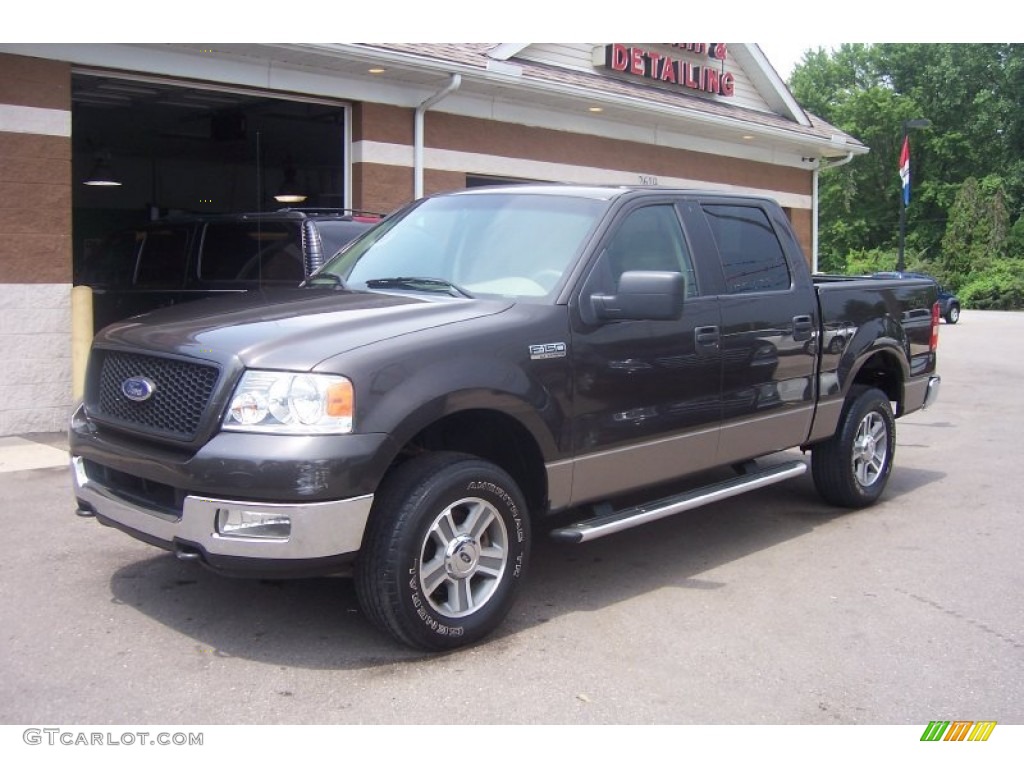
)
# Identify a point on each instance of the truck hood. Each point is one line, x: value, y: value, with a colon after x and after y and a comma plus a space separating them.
x: 289, y: 329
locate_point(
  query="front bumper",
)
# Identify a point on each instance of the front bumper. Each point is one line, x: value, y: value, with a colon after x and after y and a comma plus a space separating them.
x: 323, y: 536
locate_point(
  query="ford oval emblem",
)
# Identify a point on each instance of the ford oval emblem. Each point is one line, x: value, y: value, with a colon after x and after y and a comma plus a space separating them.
x: 138, y: 388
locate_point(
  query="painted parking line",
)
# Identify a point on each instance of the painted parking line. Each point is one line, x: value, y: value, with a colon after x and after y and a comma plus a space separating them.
x: 17, y: 454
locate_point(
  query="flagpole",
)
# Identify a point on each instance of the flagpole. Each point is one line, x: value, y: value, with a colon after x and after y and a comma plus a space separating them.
x: 905, y: 182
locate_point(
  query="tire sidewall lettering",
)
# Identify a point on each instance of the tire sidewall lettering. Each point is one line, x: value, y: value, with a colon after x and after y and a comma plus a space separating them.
x: 476, y: 486
x: 425, y: 615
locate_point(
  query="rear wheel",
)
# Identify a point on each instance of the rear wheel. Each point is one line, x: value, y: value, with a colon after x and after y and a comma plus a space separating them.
x: 851, y: 469
x: 446, y: 548
x: 953, y: 314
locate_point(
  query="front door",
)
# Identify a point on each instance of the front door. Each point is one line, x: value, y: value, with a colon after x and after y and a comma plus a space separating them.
x: 647, y: 392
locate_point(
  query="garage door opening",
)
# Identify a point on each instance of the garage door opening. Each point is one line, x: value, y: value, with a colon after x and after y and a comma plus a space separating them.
x: 145, y: 150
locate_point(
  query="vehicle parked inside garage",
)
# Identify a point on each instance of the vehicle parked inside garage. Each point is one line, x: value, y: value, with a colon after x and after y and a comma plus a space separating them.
x: 189, y: 257
x: 949, y: 304
x: 481, y: 362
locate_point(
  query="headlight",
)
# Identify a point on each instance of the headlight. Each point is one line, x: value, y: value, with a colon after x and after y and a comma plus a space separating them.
x: 291, y: 403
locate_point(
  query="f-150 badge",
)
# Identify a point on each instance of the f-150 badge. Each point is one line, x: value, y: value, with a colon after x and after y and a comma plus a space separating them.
x: 547, y: 351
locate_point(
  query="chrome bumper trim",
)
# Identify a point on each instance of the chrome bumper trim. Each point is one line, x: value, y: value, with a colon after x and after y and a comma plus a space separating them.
x: 933, y: 391
x: 319, y: 529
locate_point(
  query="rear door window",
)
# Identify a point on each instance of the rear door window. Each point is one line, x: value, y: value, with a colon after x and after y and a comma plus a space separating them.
x: 112, y: 262
x: 752, y: 258
x: 163, y: 257
x: 251, y: 250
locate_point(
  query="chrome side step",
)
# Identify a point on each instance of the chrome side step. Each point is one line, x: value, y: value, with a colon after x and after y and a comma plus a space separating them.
x: 603, y: 525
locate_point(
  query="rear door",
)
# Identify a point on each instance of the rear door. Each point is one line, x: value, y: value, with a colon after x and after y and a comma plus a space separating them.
x: 767, y: 339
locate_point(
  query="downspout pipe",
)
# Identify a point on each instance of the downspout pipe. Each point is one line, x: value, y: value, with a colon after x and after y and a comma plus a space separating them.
x: 418, y: 133
x: 814, y: 206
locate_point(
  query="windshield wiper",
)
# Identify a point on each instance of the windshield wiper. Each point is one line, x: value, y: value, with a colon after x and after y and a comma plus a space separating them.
x: 420, y: 283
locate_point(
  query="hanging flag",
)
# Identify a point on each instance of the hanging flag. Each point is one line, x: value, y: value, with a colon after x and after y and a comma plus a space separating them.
x: 905, y: 169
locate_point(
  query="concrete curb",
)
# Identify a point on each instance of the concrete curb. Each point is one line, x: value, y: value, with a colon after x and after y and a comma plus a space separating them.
x: 18, y: 454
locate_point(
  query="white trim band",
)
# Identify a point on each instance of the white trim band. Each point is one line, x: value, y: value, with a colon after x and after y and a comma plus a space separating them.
x: 44, y: 122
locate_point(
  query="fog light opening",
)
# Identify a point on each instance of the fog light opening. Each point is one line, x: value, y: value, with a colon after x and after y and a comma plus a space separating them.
x: 248, y: 524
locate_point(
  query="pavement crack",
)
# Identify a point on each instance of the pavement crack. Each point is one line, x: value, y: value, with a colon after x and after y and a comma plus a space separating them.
x: 958, y: 615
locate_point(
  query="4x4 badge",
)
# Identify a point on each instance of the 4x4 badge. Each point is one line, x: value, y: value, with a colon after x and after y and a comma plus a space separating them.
x: 547, y: 351
x: 138, y: 388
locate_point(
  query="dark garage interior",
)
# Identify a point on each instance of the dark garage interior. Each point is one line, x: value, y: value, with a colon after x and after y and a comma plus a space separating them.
x: 154, y: 149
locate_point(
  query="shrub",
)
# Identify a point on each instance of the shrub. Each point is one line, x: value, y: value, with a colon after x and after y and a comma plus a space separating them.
x: 1001, y: 287
x: 866, y: 261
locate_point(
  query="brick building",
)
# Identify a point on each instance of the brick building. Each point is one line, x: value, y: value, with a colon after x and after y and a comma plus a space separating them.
x: 200, y: 128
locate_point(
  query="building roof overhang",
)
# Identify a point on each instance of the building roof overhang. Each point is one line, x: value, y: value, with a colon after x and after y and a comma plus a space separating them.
x: 493, y: 68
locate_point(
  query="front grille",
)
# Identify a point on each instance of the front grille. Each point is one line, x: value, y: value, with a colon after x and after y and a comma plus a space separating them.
x: 181, y: 393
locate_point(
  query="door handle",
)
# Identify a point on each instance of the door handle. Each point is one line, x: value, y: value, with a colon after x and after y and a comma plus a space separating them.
x: 706, y: 335
x: 803, y: 327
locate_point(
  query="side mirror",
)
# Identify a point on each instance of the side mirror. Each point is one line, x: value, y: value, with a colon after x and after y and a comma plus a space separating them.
x: 643, y: 296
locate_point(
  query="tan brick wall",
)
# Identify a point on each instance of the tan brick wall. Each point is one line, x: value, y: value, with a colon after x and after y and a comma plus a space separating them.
x: 436, y: 182
x: 35, y: 245
x: 802, y: 222
x: 380, y: 122
x: 381, y: 188
x: 35, y: 177
x: 30, y: 82
x: 487, y: 137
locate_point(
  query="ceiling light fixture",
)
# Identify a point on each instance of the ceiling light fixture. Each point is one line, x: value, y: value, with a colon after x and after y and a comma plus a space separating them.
x: 290, y: 191
x: 102, y: 174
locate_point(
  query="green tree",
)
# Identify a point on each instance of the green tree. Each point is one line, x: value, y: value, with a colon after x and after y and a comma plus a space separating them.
x: 976, y: 235
x: 971, y: 93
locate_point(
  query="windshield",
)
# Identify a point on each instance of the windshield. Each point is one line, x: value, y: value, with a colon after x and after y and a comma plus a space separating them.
x: 512, y: 244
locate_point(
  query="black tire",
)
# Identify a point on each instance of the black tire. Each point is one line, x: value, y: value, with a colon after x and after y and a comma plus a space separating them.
x: 851, y: 469
x: 953, y: 314
x: 445, y: 551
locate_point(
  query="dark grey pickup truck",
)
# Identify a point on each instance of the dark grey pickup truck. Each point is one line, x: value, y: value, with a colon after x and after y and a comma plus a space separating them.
x: 489, y: 363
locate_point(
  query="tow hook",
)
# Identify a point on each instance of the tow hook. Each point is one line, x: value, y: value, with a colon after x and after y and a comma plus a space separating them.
x: 187, y: 554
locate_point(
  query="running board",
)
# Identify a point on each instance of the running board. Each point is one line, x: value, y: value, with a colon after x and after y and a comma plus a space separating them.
x: 603, y: 525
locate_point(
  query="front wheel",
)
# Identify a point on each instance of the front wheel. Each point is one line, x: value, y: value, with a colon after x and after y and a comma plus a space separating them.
x: 445, y: 550
x: 851, y: 468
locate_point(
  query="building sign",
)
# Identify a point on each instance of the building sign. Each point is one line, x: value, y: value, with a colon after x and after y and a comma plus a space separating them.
x: 707, y: 75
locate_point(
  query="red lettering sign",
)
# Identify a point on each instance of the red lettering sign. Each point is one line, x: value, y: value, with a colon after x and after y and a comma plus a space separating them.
x: 674, y: 71
x: 617, y: 57
x: 637, y: 65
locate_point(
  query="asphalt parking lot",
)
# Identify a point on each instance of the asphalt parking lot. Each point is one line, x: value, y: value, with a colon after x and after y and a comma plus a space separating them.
x: 764, y: 609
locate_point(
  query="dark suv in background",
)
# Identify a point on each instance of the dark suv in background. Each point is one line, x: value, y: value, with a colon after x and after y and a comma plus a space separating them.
x: 949, y: 304
x: 184, y: 258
